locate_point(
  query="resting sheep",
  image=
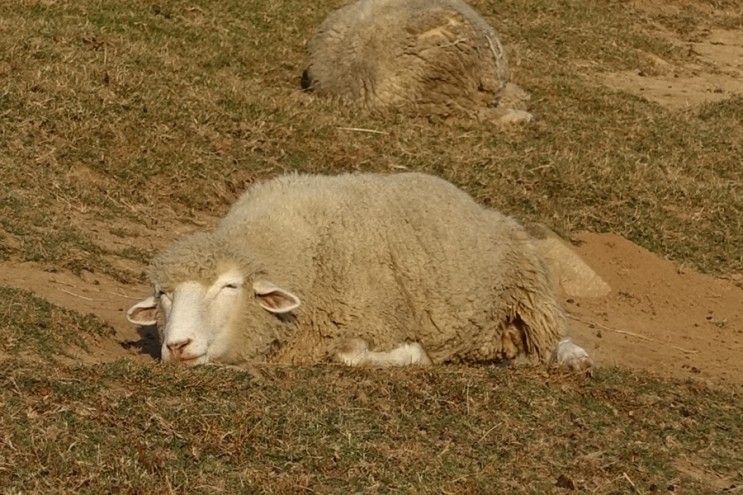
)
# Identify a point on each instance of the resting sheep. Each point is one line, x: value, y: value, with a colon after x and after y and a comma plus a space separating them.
x: 430, y: 57
x: 365, y: 269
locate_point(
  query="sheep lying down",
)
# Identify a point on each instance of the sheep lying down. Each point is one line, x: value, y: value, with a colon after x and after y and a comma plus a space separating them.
x: 361, y: 269
x: 426, y: 57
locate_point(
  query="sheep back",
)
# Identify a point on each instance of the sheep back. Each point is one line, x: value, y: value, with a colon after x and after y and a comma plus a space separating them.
x: 395, y: 258
x: 436, y: 57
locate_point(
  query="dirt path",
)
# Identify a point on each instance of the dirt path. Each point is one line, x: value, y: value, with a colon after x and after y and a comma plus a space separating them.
x: 660, y: 318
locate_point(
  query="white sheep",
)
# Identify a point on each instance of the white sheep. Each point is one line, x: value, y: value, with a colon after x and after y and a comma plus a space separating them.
x: 430, y: 57
x: 389, y: 270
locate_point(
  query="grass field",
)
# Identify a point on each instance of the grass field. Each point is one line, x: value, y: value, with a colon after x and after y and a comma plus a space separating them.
x: 151, y: 110
x: 119, y: 118
x: 131, y: 429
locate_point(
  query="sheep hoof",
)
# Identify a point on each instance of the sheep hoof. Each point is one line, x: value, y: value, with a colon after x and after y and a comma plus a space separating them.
x: 416, y: 354
x: 512, y: 116
x: 355, y: 352
x: 512, y: 343
x: 572, y: 357
x: 352, y: 351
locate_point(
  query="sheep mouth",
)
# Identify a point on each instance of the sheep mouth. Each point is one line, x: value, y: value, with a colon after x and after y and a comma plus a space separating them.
x: 190, y: 360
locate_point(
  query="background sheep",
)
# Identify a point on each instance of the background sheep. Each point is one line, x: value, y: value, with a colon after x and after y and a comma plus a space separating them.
x: 436, y: 57
x: 389, y: 270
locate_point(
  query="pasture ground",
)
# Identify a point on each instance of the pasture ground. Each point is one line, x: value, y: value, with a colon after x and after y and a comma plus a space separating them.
x: 124, y: 125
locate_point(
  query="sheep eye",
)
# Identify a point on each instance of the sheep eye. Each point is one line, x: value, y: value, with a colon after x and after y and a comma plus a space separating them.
x: 231, y: 286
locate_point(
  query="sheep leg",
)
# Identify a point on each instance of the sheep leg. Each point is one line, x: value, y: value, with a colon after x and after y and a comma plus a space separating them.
x: 566, y: 354
x: 355, y: 352
x: 571, y: 356
x: 514, y: 116
x: 513, y: 342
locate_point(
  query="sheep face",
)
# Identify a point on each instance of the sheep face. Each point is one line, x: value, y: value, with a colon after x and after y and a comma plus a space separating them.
x: 197, y: 320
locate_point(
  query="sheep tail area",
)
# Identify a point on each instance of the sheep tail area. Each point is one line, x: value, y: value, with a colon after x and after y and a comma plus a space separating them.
x: 535, y: 321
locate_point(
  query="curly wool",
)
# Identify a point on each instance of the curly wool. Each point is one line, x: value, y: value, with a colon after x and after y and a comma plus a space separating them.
x: 385, y: 258
x: 436, y: 57
x: 200, y: 257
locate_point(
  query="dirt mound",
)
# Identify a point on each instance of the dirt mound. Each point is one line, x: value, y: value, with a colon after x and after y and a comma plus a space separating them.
x: 658, y: 317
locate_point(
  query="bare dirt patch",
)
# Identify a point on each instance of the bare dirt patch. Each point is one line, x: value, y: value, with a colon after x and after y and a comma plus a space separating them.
x: 713, y: 73
x: 88, y: 293
x: 705, y: 476
x: 659, y: 317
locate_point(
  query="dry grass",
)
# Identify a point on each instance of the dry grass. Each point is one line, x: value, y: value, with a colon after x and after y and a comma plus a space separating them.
x: 135, y: 116
x: 129, y: 427
x: 32, y: 326
x: 137, y: 429
x: 158, y: 111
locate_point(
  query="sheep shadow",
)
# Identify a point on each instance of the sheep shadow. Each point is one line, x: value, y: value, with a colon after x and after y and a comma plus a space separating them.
x: 148, y: 343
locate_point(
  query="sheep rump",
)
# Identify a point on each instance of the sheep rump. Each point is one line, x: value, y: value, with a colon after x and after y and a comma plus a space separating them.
x: 431, y: 57
x: 384, y: 258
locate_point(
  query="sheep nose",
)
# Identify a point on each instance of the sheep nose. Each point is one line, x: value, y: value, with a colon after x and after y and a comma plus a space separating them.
x: 176, y: 348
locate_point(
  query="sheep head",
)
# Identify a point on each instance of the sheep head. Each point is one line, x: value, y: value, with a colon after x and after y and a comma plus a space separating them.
x: 205, y: 299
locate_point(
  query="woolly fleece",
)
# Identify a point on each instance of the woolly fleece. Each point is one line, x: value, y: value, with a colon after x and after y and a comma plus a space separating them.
x: 431, y: 57
x: 385, y: 258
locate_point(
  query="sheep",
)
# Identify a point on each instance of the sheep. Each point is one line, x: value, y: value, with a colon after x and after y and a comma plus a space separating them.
x: 430, y: 57
x: 362, y: 269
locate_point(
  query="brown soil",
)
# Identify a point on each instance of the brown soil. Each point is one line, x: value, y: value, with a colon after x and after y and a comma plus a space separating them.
x: 96, y: 294
x: 713, y: 73
x: 659, y: 317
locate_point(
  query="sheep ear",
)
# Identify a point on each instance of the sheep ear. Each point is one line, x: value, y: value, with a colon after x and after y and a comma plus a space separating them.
x: 274, y: 299
x: 144, y: 313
